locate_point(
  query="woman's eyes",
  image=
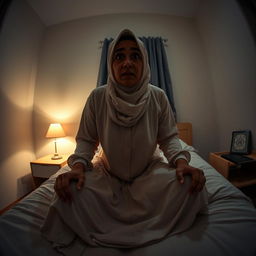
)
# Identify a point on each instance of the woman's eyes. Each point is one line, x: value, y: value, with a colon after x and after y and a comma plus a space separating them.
x: 133, y: 56
x: 119, y: 56
x: 136, y: 56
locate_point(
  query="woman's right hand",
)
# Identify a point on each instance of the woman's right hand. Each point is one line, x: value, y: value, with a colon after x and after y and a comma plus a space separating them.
x: 62, y: 183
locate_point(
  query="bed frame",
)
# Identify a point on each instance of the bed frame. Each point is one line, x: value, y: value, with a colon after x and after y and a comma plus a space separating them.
x: 185, y: 132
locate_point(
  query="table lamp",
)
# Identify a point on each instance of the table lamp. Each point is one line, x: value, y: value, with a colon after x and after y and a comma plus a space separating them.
x: 55, y: 131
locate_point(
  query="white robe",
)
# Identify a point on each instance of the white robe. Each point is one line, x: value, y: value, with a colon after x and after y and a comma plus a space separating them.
x: 131, y: 197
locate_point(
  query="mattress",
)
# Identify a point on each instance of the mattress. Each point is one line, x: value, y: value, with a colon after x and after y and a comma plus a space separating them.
x: 228, y: 227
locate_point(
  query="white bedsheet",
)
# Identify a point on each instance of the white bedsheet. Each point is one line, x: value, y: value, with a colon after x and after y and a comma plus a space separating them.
x: 229, y: 227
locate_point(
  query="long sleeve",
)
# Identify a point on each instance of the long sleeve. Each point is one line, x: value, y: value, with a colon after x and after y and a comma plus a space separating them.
x: 87, y: 137
x: 168, y: 134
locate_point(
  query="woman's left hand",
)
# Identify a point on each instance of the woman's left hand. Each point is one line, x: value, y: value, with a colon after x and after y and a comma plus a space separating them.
x: 198, y: 178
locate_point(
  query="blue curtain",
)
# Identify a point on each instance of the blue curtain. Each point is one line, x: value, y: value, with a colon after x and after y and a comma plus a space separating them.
x: 160, y: 75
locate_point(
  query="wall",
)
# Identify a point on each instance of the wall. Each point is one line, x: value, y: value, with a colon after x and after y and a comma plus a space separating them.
x: 68, y: 69
x: 231, y: 53
x: 19, y: 43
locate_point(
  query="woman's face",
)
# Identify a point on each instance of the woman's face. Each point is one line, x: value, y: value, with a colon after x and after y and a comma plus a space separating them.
x: 127, y: 63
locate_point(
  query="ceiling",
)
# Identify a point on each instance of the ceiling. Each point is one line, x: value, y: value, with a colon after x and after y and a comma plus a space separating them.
x: 57, y: 11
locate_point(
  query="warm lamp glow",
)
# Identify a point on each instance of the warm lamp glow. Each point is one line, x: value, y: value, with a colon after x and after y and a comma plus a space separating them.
x: 55, y: 131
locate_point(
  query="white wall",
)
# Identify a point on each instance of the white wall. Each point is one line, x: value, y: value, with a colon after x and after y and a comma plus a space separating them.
x: 68, y: 70
x: 19, y: 42
x: 231, y: 53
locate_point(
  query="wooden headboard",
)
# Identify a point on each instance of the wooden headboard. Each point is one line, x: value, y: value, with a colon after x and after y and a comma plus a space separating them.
x: 185, y: 132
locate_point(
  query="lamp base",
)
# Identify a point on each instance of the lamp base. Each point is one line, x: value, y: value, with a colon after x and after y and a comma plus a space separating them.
x: 56, y: 157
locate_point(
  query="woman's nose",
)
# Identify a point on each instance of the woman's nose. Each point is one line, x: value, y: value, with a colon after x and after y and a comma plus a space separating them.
x: 127, y: 62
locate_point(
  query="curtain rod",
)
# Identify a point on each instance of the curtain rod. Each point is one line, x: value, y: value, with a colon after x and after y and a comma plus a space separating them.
x: 165, y: 40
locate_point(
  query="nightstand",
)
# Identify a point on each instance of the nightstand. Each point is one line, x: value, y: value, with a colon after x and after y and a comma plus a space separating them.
x: 44, y: 167
x: 237, y: 176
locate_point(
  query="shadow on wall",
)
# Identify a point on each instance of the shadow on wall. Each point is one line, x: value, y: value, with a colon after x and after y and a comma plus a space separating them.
x: 16, y: 147
x: 16, y: 129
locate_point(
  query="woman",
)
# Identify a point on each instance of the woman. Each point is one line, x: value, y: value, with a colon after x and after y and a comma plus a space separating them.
x: 129, y: 197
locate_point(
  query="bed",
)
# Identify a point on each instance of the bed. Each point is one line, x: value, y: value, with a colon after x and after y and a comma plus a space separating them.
x: 228, y: 227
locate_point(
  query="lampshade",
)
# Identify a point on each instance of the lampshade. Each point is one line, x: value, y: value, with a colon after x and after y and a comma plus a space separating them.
x: 55, y: 131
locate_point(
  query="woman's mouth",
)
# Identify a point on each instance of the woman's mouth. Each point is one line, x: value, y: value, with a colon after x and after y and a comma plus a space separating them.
x: 128, y: 74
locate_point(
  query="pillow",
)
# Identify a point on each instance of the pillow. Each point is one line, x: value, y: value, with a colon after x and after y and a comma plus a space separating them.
x: 185, y: 146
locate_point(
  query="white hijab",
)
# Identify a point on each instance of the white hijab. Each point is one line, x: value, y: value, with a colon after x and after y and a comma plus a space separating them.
x: 126, y: 105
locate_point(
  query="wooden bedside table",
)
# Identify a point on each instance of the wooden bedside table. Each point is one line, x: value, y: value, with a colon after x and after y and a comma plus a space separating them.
x: 238, y: 177
x: 44, y: 167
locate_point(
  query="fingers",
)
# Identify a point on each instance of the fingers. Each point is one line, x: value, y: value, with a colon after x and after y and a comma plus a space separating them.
x: 62, y: 187
x: 179, y: 174
x: 198, y: 181
x: 201, y: 182
x: 80, y: 182
x: 65, y: 181
x: 62, y: 184
x: 195, y: 181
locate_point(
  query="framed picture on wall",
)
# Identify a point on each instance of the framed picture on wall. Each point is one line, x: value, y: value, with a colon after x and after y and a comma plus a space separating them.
x: 241, y: 142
